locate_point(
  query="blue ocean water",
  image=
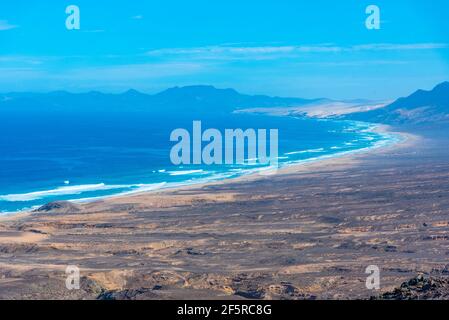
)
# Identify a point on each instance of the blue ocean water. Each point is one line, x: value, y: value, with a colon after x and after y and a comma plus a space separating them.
x: 71, y: 156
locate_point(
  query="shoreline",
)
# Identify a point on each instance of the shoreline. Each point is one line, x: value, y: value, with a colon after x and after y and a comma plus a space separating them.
x: 395, y: 140
x: 310, y: 230
x: 406, y: 139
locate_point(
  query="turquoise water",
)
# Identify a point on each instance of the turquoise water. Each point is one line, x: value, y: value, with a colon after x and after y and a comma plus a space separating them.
x: 80, y: 156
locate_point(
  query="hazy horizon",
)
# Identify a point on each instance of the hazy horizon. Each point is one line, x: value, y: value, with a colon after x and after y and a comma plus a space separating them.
x: 287, y: 49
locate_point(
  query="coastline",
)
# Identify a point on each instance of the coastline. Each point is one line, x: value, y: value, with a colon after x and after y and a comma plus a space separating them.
x: 308, y: 231
x: 394, y: 140
x: 339, y: 158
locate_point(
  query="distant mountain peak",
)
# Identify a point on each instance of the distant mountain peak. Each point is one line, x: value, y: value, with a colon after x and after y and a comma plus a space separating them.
x: 132, y: 92
x: 442, y: 86
x: 197, y: 90
x: 422, y: 106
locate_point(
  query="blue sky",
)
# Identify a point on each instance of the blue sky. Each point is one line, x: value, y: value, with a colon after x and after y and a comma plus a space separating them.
x: 317, y: 48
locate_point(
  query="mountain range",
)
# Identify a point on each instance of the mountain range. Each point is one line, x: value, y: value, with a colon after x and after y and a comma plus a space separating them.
x: 420, y: 107
x: 190, y: 99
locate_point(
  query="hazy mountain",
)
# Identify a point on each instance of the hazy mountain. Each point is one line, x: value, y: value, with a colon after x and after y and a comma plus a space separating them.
x: 191, y: 99
x: 420, y: 107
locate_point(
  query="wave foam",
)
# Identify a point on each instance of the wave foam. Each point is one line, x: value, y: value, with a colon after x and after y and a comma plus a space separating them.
x: 59, y: 192
x: 305, y: 151
x: 185, y: 172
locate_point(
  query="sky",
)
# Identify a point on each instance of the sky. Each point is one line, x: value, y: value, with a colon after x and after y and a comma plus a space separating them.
x: 297, y: 48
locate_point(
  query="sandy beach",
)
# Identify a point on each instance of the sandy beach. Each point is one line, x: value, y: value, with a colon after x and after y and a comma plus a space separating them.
x: 308, y: 232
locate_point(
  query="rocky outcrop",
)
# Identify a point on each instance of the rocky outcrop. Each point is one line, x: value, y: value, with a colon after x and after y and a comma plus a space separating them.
x: 420, y: 288
x: 59, y: 207
x: 130, y: 294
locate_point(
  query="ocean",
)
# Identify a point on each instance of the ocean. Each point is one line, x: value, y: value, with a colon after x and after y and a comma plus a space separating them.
x: 49, y: 156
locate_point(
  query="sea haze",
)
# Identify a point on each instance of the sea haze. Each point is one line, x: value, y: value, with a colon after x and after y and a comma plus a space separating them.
x: 53, y: 153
